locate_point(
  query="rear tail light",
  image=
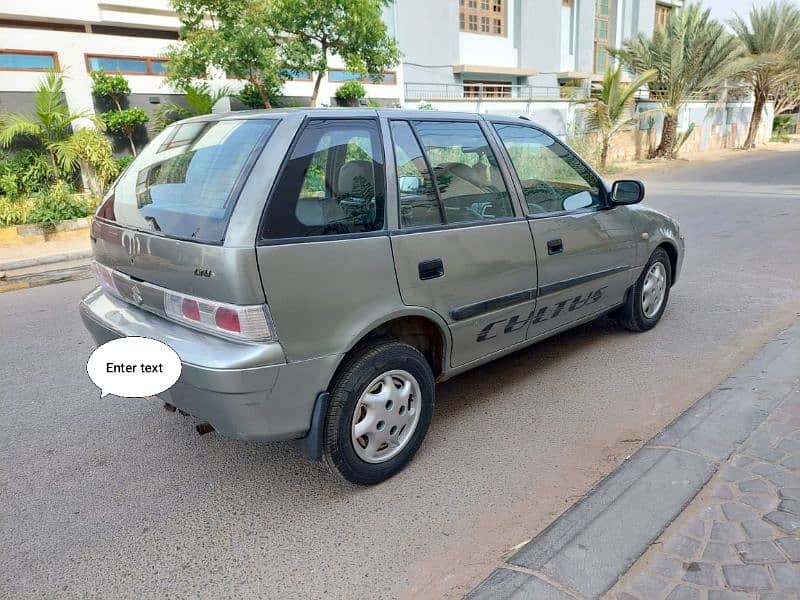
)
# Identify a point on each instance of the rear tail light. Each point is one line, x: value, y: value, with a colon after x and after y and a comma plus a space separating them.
x: 250, y: 323
x: 105, y: 277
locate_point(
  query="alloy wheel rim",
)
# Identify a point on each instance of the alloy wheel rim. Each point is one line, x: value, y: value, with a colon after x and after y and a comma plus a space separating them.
x: 386, y: 416
x: 654, y: 290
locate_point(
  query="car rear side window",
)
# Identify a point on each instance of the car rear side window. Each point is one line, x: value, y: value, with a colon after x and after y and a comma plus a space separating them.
x: 184, y: 184
x: 468, y: 178
x: 419, y: 204
x: 332, y: 184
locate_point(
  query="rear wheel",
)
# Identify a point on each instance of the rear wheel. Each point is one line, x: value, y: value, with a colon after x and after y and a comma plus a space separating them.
x: 647, y: 299
x: 380, y: 408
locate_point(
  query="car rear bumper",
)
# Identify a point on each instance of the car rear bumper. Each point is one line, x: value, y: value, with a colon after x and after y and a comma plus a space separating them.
x: 245, y: 390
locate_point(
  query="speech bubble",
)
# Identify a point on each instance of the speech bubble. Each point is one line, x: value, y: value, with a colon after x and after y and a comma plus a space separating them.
x: 133, y: 367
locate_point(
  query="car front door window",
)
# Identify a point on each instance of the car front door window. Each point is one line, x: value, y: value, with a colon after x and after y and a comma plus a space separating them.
x: 553, y: 179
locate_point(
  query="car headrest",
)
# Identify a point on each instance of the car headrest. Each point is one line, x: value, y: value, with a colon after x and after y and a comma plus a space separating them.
x: 356, y: 179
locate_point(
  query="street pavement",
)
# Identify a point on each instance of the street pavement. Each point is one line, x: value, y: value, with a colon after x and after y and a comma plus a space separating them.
x: 120, y: 498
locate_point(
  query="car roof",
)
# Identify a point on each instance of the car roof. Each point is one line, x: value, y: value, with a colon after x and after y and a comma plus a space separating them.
x: 356, y: 112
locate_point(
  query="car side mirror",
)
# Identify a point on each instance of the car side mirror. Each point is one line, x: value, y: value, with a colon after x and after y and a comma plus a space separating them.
x: 627, y: 191
x: 409, y: 184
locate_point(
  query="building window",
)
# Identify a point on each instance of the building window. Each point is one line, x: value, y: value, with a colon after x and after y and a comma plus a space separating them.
x: 662, y: 14
x: 129, y: 65
x: 483, y: 16
x: 295, y: 75
x: 486, y: 89
x: 602, y: 29
x: 25, y: 60
x: 340, y: 75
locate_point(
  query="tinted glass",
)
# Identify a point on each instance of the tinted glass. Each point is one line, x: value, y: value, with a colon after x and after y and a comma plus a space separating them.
x: 553, y: 179
x: 182, y: 185
x: 343, y: 76
x: 419, y: 205
x: 467, y: 176
x: 37, y: 62
x: 126, y: 65
x: 159, y: 66
x: 332, y: 184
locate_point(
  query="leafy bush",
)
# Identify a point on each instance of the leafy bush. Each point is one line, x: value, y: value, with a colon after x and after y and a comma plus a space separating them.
x: 14, y: 212
x: 23, y: 173
x: 781, y: 125
x: 96, y: 159
x: 124, y: 121
x: 350, y: 91
x: 58, y: 204
x: 122, y: 163
x: 251, y: 97
x: 114, y: 87
x: 426, y: 106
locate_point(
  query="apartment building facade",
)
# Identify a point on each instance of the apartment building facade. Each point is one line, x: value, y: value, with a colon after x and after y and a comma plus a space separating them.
x: 130, y: 36
x: 505, y: 48
x: 451, y: 48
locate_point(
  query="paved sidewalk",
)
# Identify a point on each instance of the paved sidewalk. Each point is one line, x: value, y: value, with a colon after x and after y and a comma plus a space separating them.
x: 740, y: 538
x: 733, y: 459
x: 28, y: 255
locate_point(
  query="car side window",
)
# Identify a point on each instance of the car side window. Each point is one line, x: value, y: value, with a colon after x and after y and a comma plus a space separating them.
x: 553, y: 179
x: 419, y: 204
x: 467, y: 176
x: 332, y: 184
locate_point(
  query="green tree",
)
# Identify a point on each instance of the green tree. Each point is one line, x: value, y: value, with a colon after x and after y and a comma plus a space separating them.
x: 51, y: 124
x: 351, y: 29
x: 771, y: 39
x: 611, y: 109
x: 120, y: 120
x: 234, y: 36
x: 691, y: 53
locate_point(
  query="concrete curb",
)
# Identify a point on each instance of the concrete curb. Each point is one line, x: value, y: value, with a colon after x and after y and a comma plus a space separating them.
x: 57, y: 275
x: 589, y: 547
x: 24, y: 263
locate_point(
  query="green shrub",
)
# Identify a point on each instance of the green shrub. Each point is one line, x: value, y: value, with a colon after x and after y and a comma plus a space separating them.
x: 58, y: 204
x: 781, y: 125
x: 96, y: 159
x: 124, y: 121
x: 122, y: 163
x: 350, y: 91
x: 114, y: 87
x: 14, y: 212
x: 23, y: 173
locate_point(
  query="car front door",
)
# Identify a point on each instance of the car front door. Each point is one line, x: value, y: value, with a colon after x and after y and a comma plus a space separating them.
x: 461, y: 249
x: 585, y: 249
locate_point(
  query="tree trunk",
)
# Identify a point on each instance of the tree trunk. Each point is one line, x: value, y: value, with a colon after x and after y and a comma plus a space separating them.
x: 755, y: 120
x: 129, y: 135
x: 262, y: 93
x: 668, y: 133
x: 604, y: 153
x: 315, y: 93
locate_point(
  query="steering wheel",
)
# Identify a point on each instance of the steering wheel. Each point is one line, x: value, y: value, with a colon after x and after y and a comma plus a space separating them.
x: 541, y: 186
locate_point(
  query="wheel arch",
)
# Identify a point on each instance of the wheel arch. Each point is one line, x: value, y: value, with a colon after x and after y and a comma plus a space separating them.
x: 672, y: 251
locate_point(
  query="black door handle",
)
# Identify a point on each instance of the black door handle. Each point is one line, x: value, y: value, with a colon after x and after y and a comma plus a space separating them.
x: 431, y: 268
x: 555, y: 246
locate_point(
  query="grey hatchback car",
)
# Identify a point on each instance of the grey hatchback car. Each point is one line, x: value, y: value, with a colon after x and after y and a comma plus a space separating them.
x: 317, y: 271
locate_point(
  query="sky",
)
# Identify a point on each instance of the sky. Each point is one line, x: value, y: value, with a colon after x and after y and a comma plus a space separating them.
x: 724, y: 9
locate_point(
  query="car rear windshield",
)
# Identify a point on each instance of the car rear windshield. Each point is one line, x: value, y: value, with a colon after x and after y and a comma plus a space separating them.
x: 185, y: 182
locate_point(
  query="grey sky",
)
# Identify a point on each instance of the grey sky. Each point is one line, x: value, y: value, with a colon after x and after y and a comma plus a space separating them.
x: 724, y: 9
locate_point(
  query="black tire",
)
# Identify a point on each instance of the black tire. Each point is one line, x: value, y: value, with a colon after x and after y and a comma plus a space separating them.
x: 631, y: 315
x: 359, y: 370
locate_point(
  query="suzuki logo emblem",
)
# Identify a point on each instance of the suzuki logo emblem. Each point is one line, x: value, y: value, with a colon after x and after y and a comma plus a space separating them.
x: 136, y: 295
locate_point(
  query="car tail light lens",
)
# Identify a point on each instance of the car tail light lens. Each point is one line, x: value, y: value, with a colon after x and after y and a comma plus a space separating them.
x: 190, y: 309
x: 105, y: 277
x: 249, y: 323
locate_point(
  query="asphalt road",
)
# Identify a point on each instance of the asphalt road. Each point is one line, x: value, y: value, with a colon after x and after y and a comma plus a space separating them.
x: 118, y: 498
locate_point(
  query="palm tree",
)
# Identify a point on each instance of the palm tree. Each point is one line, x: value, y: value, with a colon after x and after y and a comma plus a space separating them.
x: 771, y: 40
x: 610, y: 110
x: 691, y: 53
x: 200, y: 100
x: 50, y: 124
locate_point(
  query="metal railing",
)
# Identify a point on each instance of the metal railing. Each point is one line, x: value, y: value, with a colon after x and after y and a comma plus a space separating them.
x: 489, y: 91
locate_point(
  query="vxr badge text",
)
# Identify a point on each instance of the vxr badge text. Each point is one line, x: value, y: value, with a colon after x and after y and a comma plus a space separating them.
x: 539, y: 314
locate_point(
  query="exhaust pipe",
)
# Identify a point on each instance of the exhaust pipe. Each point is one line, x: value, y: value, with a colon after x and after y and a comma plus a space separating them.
x: 204, y: 428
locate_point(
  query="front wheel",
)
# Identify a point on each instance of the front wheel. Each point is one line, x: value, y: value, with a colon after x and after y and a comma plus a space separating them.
x: 647, y: 299
x: 380, y: 408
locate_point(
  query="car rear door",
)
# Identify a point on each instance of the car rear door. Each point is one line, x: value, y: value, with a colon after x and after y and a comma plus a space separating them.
x: 462, y: 247
x: 585, y: 249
